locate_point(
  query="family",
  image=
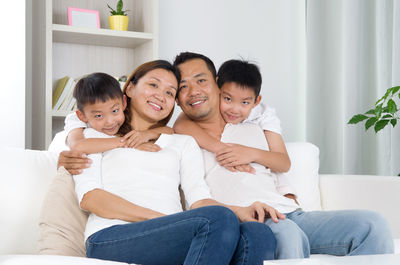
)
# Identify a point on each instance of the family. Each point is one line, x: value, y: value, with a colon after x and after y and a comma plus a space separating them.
x: 221, y: 153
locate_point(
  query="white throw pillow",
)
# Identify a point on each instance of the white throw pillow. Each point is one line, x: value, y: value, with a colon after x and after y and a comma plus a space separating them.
x: 303, y: 174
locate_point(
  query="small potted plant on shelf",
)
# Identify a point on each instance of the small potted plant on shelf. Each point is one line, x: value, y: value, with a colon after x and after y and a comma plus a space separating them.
x: 118, y: 19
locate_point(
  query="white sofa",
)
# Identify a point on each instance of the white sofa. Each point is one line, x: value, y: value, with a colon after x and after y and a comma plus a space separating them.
x: 26, y: 175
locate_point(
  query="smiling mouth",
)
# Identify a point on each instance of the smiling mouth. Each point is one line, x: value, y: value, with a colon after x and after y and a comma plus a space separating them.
x: 232, y: 117
x: 197, y: 102
x: 154, y: 106
x: 111, y: 129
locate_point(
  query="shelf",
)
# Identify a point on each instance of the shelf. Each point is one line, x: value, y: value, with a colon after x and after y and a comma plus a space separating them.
x: 60, y: 113
x: 99, y: 37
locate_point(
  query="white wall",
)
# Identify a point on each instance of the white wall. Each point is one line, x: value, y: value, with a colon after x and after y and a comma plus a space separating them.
x: 269, y: 32
x: 12, y: 76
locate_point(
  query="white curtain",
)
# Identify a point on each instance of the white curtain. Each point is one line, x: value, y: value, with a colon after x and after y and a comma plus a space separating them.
x: 353, y: 56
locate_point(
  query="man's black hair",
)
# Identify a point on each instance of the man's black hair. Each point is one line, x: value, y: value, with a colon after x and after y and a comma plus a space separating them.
x: 96, y: 87
x: 187, y: 56
x: 241, y: 72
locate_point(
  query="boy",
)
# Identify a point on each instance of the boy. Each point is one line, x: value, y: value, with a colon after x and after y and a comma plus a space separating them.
x: 101, y: 104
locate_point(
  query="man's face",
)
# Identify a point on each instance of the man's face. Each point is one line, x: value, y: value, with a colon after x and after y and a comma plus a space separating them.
x: 199, y: 94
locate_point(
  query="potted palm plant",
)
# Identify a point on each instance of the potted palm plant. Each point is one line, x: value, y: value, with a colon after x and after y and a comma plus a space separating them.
x: 118, y: 19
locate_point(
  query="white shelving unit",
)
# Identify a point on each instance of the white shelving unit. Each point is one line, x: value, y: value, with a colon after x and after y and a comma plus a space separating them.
x: 61, y: 50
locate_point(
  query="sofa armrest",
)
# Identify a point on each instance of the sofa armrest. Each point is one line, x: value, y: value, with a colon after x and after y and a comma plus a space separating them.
x: 377, y: 193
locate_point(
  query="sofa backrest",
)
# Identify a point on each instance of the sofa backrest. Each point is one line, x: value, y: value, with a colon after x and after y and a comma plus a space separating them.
x: 25, y: 177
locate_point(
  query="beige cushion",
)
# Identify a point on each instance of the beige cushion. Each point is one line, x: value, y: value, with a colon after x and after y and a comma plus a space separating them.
x: 62, y: 222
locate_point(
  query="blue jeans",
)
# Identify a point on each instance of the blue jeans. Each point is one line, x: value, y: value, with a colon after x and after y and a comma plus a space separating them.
x: 350, y: 232
x: 207, y: 235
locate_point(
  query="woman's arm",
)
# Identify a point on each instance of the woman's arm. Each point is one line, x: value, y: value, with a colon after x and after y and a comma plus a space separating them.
x: 108, y: 205
x: 183, y: 125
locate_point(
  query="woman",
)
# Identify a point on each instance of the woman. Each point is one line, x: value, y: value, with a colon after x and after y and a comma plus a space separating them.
x: 137, y: 217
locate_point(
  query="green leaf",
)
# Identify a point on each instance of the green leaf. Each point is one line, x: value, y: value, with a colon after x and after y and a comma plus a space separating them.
x: 387, y: 116
x: 120, y: 5
x: 378, y: 110
x: 380, y: 125
x: 371, y: 111
x: 393, y: 122
x: 392, y: 107
x: 395, y: 89
x: 370, y: 122
x: 357, y: 118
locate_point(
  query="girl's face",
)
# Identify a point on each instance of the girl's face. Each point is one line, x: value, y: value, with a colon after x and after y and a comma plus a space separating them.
x: 153, y: 97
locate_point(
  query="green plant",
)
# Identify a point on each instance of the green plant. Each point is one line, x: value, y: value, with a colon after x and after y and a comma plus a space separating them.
x: 119, y: 11
x: 385, y: 111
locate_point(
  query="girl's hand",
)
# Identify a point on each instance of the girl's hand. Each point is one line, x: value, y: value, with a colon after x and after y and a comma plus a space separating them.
x: 234, y: 155
x: 134, y: 138
x: 148, y: 147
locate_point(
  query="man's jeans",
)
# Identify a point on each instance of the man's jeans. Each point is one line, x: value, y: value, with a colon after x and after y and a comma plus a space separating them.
x: 207, y: 235
x: 351, y: 232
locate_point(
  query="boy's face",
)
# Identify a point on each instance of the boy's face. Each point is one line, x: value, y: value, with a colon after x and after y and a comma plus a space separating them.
x: 106, y: 117
x: 237, y: 102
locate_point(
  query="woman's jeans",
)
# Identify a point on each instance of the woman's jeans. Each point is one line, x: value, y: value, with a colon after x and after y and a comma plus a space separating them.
x: 350, y: 232
x: 206, y: 235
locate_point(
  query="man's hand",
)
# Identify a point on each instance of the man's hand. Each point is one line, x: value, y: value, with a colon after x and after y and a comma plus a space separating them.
x: 292, y: 196
x: 258, y: 212
x: 149, y: 147
x: 73, y: 161
x: 234, y: 155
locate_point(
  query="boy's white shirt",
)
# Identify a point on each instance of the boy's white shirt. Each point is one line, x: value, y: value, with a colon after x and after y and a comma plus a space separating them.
x: 242, y: 188
x: 265, y: 117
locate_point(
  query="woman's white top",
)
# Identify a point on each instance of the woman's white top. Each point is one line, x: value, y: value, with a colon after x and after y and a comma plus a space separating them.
x: 147, y: 179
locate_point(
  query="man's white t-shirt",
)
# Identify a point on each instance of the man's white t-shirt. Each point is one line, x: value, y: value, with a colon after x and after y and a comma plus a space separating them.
x: 241, y: 188
x: 147, y: 179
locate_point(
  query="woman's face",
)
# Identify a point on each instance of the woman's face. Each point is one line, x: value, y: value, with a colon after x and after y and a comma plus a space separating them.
x: 153, y: 97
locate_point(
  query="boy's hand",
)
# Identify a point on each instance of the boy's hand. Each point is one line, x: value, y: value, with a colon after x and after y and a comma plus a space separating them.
x: 258, y: 212
x: 134, y: 138
x: 73, y: 161
x: 149, y: 147
x: 234, y: 155
x: 242, y: 168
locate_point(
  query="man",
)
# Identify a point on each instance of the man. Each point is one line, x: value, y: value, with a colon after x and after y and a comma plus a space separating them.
x: 301, y: 233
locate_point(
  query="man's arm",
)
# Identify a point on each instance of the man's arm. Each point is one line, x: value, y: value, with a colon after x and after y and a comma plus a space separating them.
x: 183, y: 125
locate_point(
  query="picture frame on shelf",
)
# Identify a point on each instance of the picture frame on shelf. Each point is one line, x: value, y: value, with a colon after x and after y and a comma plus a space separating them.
x: 80, y: 17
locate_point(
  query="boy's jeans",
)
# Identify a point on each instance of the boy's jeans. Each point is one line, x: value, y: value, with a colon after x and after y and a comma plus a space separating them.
x: 350, y: 232
x: 207, y: 235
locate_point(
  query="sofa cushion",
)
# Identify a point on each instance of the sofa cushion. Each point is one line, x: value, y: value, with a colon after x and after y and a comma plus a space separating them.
x: 25, y: 177
x: 62, y: 222
x: 53, y: 260
x: 303, y: 174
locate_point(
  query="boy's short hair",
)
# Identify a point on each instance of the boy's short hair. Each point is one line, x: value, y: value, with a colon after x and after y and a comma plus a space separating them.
x: 96, y: 87
x: 241, y: 72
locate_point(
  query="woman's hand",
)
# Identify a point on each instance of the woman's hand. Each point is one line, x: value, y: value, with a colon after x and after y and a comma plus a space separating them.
x: 258, y: 212
x: 73, y: 161
x: 149, y: 147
